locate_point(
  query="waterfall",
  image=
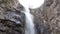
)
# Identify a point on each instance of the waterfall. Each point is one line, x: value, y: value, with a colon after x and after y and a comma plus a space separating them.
x: 29, y: 26
x: 29, y: 29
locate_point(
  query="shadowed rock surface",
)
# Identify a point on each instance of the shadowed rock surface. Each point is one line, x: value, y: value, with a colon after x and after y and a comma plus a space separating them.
x: 11, y: 18
x: 46, y: 18
x: 49, y: 15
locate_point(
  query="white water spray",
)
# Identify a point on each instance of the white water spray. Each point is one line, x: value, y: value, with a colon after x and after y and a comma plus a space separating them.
x: 29, y: 29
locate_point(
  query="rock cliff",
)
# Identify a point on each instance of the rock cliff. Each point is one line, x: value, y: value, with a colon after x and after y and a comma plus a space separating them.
x: 46, y: 17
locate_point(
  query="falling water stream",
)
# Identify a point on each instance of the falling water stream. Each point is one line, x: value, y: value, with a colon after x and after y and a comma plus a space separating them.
x: 29, y: 29
x: 29, y: 26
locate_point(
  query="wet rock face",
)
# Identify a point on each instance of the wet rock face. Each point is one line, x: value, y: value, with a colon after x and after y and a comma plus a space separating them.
x: 8, y: 27
x: 13, y: 23
x: 12, y: 20
x: 14, y: 15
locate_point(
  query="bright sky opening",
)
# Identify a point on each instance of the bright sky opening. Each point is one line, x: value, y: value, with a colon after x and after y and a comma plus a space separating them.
x: 32, y: 4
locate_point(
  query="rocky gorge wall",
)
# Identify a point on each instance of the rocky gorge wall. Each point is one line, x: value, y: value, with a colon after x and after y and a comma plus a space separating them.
x: 49, y: 15
x: 46, y: 17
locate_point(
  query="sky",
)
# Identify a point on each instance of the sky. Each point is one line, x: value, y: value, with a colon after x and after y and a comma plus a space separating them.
x: 32, y: 4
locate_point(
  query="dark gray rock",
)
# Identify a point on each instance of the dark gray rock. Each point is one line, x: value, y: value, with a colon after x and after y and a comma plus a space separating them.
x: 12, y: 20
x: 46, y: 17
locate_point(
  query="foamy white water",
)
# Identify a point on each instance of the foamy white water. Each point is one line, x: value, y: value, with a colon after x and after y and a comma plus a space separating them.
x: 32, y: 4
x: 29, y: 29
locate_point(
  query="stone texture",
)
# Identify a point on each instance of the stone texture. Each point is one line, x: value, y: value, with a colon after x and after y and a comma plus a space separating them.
x: 49, y: 15
x: 10, y: 15
x: 46, y: 17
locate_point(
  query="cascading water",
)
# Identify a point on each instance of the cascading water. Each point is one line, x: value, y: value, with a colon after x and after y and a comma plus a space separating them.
x: 29, y: 29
